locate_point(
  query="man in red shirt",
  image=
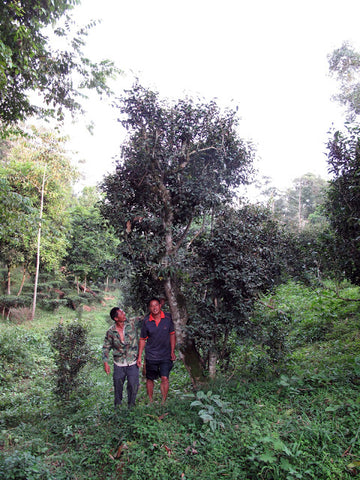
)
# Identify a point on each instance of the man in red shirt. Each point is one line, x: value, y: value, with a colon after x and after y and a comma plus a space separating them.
x: 158, y: 338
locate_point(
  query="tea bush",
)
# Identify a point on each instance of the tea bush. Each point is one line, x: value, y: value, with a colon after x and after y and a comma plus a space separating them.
x: 72, y: 352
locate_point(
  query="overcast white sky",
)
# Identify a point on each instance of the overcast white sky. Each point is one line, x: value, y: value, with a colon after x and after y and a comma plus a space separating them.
x: 269, y: 58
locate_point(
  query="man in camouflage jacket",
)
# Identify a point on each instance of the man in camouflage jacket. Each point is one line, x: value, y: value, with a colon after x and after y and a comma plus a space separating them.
x: 122, y: 339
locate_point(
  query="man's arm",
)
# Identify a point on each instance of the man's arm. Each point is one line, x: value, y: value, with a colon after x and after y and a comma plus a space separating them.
x: 142, y: 343
x: 105, y: 353
x: 172, y: 345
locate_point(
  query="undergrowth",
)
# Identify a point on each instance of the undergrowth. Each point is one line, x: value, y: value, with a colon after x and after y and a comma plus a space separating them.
x: 293, y: 418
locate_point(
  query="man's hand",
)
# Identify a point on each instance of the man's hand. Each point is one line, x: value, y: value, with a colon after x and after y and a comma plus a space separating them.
x: 172, y: 346
x: 142, y: 343
x: 106, y: 368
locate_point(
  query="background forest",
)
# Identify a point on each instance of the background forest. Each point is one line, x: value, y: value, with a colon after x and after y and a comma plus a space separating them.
x: 264, y: 293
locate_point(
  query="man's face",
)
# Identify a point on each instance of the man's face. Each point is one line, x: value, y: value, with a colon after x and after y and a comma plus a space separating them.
x: 154, y: 307
x: 120, y: 317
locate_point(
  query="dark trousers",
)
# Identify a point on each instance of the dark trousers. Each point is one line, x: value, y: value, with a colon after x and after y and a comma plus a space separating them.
x: 131, y: 374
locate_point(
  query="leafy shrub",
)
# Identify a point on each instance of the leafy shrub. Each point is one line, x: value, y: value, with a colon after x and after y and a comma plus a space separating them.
x: 23, y: 466
x: 52, y: 304
x: 71, y: 350
x: 265, y: 349
x: 251, y: 360
x: 19, y: 353
x: 74, y: 301
x: 8, y: 302
x: 271, y: 330
x: 213, y: 410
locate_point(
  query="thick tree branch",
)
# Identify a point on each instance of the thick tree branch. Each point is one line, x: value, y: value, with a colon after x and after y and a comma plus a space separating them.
x: 189, y: 154
x: 184, y: 234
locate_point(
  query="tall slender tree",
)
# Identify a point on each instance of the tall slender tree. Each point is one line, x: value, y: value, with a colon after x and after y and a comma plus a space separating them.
x: 23, y: 167
x: 38, y: 247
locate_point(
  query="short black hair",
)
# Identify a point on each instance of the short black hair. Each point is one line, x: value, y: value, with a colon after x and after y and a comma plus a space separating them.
x: 113, y: 312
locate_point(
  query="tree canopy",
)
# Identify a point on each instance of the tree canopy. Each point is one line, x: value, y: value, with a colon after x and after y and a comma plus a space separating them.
x: 243, y: 255
x: 92, y: 244
x: 298, y: 206
x: 344, y: 65
x: 22, y: 170
x: 181, y: 162
x: 29, y: 62
x: 343, y: 201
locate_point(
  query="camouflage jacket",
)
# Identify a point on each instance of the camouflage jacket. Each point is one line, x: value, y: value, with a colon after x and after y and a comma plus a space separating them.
x: 122, y: 352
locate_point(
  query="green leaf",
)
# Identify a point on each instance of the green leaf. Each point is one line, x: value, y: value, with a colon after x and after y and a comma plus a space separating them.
x: 267, y: 458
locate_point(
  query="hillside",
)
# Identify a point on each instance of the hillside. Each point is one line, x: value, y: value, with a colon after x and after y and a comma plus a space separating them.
x: 289, y: 415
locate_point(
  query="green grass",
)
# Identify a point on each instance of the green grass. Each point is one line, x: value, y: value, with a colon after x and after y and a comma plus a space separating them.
x: 299, y: 424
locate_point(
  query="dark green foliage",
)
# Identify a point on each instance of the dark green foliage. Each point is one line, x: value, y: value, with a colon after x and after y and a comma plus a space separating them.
x: 12, y: 301
x: 92, y: 244
x: 343, y: 202
x: 243, y: 255
x: 181, y: 160
x: 21, y: 351
x: 270, y: 330
x: 23, y: 466
x: 74, y: 301
x: 28, y: 62
x: 71, y: 350
x: 52, y: 304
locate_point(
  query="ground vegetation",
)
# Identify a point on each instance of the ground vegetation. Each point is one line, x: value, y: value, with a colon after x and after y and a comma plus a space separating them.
x: 271, y: 417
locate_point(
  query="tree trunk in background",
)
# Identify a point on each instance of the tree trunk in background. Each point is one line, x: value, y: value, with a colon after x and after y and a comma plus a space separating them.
x: 213, y: 357
x: 177, y: 302
x: 22, y: 281
x: 9, y: 280
x: 300, y: 208
x: 193, y: 363
x: 38, y: 247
